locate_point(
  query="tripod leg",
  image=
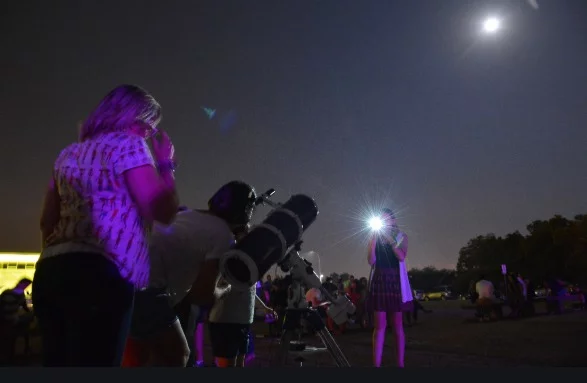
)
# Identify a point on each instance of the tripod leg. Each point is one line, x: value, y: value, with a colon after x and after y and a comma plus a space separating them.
x: 284, y: 345
x: 335, y: 351
x: 313, y: 317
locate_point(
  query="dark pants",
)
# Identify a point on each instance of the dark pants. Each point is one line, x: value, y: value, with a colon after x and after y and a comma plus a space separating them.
x: 84, y: 309
x: 251, y: 343
x: 229, y: 340
x: 7, y: 343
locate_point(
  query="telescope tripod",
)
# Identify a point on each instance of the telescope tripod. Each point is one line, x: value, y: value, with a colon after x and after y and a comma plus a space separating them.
x: 292, y: 322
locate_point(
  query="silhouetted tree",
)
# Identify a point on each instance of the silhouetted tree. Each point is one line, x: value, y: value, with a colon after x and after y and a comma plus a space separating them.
x: 430, y: 277
x: 553, y: 248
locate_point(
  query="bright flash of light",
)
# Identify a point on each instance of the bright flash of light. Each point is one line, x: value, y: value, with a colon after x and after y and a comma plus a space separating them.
x: 373, y: 194
x: 491, y: 25
x: 375, y: 223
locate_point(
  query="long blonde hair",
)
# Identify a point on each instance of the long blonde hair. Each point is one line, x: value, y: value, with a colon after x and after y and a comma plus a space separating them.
x: 122, y: 107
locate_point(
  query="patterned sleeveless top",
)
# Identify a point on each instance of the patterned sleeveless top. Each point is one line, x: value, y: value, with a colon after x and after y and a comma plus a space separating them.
x: 385, y: 257
x: 97, y: 212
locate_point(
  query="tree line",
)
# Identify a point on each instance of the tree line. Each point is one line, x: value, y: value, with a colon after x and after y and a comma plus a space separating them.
x: 553, y: 248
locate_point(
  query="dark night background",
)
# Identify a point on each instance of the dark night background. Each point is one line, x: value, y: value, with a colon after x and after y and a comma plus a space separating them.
x: 356, y: 103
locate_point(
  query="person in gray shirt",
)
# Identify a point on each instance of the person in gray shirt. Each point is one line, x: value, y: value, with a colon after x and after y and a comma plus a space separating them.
x: 229, y: 323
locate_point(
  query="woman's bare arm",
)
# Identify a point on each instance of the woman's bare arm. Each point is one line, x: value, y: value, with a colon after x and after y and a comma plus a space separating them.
x: 50, y: 214
x: 205, y: 289
x: 371, y: 258
x: 153, y: 192
x: 150, y: 180
x: 401, y: 248
x: 202, y: 292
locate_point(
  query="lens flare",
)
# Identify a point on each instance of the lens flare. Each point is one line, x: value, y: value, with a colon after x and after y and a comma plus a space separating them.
x: 375, y: 223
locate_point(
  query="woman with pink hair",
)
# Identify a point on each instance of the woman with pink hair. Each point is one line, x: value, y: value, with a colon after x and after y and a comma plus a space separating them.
x: 105, y: 192
x: 387, y: 249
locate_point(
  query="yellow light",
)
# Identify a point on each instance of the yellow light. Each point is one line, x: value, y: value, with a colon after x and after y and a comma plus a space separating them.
x: 9, y: 277
x: 19, y: 257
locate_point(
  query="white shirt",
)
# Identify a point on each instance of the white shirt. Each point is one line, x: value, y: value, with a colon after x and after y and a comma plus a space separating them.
x: 234, y: 307
x: 99, y: 214
x: 484, y: 289
x: 178, y: 251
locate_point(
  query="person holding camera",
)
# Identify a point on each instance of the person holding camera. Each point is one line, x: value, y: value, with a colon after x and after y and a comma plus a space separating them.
x: 105, y: 192
x: 387, y: 249
x: 184, y: 259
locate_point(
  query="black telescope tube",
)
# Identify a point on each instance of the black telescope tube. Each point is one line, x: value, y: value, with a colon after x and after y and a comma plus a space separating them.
x: 304, y: 207
x: 263, y: 247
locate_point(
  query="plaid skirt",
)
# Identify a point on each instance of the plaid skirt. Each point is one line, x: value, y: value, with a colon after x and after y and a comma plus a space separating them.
x: 385, y: 294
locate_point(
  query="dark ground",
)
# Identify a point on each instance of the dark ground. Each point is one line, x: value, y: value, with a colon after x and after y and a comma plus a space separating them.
x: 448, y: 337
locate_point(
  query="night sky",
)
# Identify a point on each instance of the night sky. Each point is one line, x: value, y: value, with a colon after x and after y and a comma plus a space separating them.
x: 355, y: 103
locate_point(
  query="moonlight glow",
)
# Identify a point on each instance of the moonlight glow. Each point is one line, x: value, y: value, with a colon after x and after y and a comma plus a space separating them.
x: 491, y: 25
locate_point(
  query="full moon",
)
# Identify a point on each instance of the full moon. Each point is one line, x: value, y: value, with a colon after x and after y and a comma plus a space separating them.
x: 491, y: 25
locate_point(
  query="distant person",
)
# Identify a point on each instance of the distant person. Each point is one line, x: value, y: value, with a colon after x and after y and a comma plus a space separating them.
x: 362, y: 291
x: 530, y: 289
x: 473, y: 295
x: 105, y: 192
x: 523, y: 286
x: 486, y: 297
x: 314, y: 297
x: 557, y: 288
x: 267, y: 290
x: 484, y: 289
x: 12, y: 324
x: 330, y: 286
x: 348, y: 285
x: 318, y: 302
x: 412, y: 316
x: 387, y: 249
x: 515, y: 295
x: 582, y: 298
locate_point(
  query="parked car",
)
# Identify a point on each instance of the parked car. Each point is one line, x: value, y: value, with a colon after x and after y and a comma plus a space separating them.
x: 439, y: 293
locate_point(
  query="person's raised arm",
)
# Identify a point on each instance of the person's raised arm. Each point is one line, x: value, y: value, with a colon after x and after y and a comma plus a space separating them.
x: 25, y: 306
x: 151, y: 184
x: 371, y: 257
x: 50, y: 214
x: 203, y: 290
x: 401, y: 248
